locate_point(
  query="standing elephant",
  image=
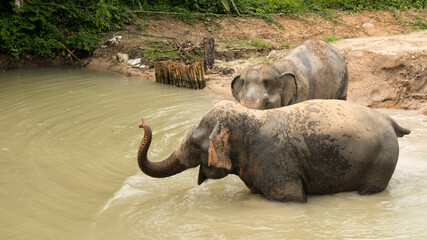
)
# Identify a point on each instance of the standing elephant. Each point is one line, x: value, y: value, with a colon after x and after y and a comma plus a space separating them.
x: 313, y: 70
x: 314, y: 147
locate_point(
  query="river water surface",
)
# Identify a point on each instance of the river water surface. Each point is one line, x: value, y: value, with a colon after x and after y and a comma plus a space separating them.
x: 68, y: 170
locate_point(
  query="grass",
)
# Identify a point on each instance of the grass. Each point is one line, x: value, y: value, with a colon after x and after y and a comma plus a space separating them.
x: 345, y: 52
x: 141, y: 24
x: 257, y: 43
x: 420, y: 23
x: 331, y: 38
x: 260, y: 44
x: 285, y: 44
x: 156, y: 52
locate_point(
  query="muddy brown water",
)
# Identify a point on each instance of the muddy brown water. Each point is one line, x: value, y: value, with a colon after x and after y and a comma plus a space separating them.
x: 68, y: 142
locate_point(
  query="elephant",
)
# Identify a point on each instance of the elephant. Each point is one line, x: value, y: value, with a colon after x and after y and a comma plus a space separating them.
x: 312, y: 70
x: 314, y: 147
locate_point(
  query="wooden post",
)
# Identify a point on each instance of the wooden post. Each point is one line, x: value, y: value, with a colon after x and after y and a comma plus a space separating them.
x: 208, y: 53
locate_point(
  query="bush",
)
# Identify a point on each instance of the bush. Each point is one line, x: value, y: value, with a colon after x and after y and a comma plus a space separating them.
x: 279, y: 6
x: 44, y: 26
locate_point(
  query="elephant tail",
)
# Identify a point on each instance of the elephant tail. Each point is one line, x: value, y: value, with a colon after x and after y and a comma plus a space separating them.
x: 399, y: 130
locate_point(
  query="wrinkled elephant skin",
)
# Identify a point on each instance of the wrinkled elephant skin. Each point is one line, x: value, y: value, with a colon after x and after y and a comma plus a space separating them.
x: 314, y: 147
x: 312, y: 70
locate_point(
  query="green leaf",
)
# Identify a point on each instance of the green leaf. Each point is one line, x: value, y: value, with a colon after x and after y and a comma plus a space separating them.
x: 225, y: 5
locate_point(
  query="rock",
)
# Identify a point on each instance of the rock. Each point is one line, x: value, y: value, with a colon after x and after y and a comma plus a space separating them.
x: 122, y: 57
x: 134, y: 62
x: 114, y: 40
x: 228, y: 71
x: 368, y: 25
x: 143, y: 66
x: 272, y: 54
x: 423, y: 110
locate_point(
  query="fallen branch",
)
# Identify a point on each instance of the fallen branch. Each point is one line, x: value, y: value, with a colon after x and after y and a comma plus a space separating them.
x: 149, y: 35
x: 71, y: 53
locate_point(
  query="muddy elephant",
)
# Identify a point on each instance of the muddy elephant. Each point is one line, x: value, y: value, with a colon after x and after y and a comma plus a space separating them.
x: 313, y: 70
x: 314, y: 147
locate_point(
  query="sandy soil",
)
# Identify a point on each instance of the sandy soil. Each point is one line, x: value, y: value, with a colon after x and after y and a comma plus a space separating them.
x: 386, y: 70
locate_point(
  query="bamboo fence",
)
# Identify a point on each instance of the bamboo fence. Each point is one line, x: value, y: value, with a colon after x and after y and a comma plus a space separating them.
x: 187, y: 76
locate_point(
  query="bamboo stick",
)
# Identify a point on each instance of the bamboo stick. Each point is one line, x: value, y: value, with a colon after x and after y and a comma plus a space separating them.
x: 188, y: 76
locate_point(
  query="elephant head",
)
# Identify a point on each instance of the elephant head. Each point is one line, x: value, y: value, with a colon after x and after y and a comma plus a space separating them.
x: 264, y: 87
x: 202, y: 146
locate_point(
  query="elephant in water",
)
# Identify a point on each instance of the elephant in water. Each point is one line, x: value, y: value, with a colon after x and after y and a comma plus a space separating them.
x: 313, y: 70
x: 314, y: 147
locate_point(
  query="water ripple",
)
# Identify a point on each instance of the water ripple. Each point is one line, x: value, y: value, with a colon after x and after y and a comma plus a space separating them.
x: 68, y: 148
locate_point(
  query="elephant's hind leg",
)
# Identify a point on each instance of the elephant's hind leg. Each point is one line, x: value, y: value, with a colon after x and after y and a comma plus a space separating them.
x: 378, y: 177
x: 369, y: 188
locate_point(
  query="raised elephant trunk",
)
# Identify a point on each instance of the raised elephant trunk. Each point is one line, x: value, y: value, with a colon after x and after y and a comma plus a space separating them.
x: 168, y: 167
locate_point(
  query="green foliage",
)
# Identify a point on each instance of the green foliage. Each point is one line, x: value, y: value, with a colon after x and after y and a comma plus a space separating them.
x: 420, y: 23
x: 43, y: 27
x: 278, y: 6
x: 244, y: 44
x: 271, y: 20
x: 285, y: 44
x: 159, y: 50
x: 226, y: 6
x: 261, y: 8
x: 331, y: 38
x: 260, y: 44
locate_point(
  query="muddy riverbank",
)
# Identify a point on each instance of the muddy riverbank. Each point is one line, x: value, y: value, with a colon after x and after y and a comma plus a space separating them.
x: 387, y: 60
x: 385, y: 72
x: 386, y: 52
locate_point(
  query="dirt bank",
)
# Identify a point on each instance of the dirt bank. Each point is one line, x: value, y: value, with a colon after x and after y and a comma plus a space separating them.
x: 389, y: 72
x: 386, y: 69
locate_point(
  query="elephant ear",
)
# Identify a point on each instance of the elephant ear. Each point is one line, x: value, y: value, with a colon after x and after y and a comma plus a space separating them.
x: 290, y: 88
x: 219, y: 148
x: 236, y: 86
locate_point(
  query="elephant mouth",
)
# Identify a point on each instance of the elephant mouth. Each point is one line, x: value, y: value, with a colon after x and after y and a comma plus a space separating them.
x: 201, y: 177
x: 206, y: 172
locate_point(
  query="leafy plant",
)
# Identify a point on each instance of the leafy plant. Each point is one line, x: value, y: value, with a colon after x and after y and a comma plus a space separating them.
x: 331, y: 38
x: 243, y: 44
x: 286, y: 44
x: 420, y: 23
x: 260, y: 44
x: 226, y: 5
x: 44, y: 27
x: 160, y: 52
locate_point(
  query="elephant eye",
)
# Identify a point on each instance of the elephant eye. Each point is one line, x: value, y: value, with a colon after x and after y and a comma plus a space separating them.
x: 266, y: 82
